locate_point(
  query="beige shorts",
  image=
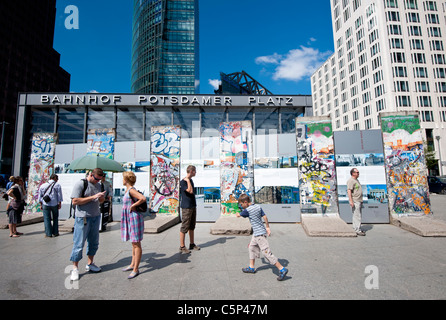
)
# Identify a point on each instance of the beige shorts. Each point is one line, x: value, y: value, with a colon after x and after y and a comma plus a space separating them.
x: 260, y: 243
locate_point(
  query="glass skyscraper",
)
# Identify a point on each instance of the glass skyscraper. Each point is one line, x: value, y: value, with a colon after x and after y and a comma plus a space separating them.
x: 165, y: 53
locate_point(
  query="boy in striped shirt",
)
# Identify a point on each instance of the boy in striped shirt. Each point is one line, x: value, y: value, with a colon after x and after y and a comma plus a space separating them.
x: 259, y: 241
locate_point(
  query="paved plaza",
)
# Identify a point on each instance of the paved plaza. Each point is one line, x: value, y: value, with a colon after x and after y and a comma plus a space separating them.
x: 388, y: 263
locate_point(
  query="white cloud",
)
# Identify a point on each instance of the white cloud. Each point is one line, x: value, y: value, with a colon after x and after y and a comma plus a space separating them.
x: 297, y: 64
x: 214, y: 83
x: 275, y: 58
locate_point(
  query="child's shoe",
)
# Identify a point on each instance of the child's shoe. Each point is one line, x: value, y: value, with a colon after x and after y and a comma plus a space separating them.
x: 249, y: 270
x: 282, y: 274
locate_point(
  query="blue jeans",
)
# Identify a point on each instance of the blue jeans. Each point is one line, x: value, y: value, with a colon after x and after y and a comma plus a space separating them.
x: 89, y: 232
x: 48, y: 214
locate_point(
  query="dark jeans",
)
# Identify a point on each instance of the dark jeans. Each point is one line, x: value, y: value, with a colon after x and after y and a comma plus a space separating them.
x: 48, y: 214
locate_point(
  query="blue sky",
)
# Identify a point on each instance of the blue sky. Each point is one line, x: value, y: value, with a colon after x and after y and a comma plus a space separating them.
x: 279, y: 43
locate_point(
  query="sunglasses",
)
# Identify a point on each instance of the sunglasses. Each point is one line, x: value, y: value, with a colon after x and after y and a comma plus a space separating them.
x: 97, y: 179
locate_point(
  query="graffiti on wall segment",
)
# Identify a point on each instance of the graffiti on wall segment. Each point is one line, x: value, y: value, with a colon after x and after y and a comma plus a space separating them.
x: 236, y: 170
x: 165, y: 170
x: 101, y: 142
x: 41, y: 167
x: 317, y: 175
x: 405, y: 165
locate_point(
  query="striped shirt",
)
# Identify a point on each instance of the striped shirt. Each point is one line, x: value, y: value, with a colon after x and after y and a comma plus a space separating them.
x: 255, y: 213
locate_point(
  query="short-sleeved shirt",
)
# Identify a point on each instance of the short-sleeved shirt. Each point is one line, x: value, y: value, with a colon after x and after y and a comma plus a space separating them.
x: 90, y: 209
x: 255, y: 213
x: 187, y: 199
x: 52, y: 189
x: 355, y: 186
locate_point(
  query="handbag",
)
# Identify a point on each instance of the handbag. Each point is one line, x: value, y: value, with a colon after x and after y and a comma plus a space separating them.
x: 139, y: 208
x: 46, y: 197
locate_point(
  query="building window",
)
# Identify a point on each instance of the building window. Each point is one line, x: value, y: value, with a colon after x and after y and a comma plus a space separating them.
x: 70, y: 125
x: 100, y: 118
x: 403, y: 101
x: 422, y: 86
x: 427, y: 116
x: 288, y: 118
x: 411, y: 4
x: 42, y: 120
x: 266, y: 119
x: 424, y: 101
x: 391, y: 3
x: 129, y: 124
x: 189, y: 120
x: 160, y: 116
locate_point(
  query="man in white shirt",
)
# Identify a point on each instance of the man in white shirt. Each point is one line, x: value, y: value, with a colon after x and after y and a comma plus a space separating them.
x: 50, y: 198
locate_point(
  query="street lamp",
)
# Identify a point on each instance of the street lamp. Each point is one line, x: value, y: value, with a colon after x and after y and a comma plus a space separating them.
x: 439, y: 153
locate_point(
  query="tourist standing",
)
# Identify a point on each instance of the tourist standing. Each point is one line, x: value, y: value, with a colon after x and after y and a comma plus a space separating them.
x: 87, y: 221
x: 132, y: 221
x: 50, y: 198
x: 354, y: 191
x: 188, y: 206
x: 16, y: 205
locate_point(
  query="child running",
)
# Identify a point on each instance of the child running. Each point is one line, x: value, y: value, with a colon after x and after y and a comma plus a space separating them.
x: 259, y: 241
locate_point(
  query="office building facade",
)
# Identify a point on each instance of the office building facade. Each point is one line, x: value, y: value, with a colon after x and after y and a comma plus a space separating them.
x: 165, y: 53
x: 389, y: 57
x: 28, y: 62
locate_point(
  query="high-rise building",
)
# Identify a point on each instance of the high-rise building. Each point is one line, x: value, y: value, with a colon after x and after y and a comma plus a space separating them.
x: 165, y: 54
x: 28, y: 62
x: 389, y: 56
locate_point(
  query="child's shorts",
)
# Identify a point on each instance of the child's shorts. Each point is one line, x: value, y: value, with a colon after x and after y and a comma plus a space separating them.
x: 260, y: 243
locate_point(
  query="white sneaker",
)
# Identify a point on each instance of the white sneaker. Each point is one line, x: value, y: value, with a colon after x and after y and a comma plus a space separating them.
x: 74, y: 275
x: 92, y: 268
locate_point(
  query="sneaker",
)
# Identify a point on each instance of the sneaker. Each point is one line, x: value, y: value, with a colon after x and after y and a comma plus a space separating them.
x: 74, y: 275
x: 360, y: 233
x: 193, y: 246
x: 92, y: 268
x: 249, y: 270
x: 184, y: 250
x: 282, y: 274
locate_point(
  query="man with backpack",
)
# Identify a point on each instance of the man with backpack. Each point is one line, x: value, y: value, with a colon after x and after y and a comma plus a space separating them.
x: 87, y: 220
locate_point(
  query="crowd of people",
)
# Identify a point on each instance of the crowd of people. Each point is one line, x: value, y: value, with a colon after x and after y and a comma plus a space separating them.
x: 89, y: 195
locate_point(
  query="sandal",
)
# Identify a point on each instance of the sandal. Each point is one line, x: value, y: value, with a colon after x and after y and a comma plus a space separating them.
x: 133, y: 275
x: 14, y: 236
x: 129, y: 268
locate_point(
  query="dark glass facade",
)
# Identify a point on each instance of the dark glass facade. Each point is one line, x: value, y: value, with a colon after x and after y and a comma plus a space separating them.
x: 28, y: 63
x: 134, y: 123
x: 165, y: 47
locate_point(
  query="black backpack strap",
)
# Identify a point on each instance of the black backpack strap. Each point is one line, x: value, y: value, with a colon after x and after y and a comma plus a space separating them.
x: 73, y: 208
x: 85, y: 187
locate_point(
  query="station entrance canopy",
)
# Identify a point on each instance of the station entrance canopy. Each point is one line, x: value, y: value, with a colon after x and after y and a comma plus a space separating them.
x: 56, y: 99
